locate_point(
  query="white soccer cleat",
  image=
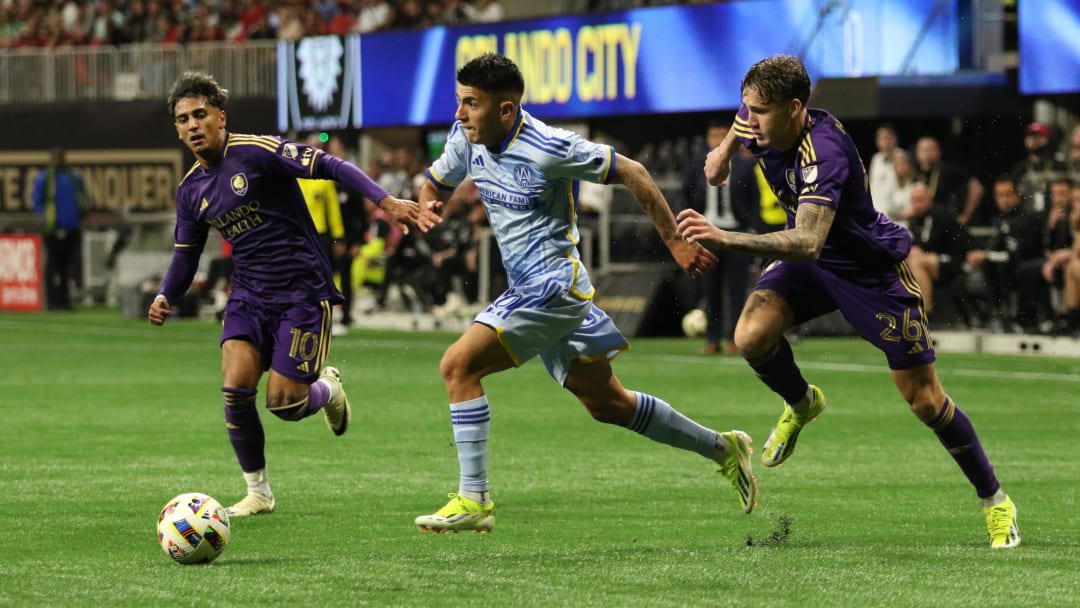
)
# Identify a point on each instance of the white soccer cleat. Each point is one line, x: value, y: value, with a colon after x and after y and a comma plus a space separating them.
x: 337, y: 411
x: 252, y: 504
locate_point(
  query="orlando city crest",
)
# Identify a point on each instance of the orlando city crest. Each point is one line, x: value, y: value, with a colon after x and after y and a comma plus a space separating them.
x: 239, y: 184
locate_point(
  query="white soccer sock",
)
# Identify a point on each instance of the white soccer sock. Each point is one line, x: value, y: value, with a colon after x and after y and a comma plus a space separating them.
x: 471, y: 422
x: 257, y: 482
x: 657, y: 420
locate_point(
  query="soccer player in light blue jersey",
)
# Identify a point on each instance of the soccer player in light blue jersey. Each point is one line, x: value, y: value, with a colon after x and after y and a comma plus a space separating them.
x: 528, y: 174
x: 837, y: 252
x: 278, y: 316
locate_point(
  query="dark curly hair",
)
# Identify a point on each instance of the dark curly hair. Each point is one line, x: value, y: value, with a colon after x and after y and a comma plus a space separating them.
x: 778, y: 78
x: 197, y: 84
x: 491, y: 72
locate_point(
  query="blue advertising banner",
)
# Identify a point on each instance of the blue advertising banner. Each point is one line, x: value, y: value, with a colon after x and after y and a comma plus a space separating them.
x: 1049, y: 46
x: 652, y: 60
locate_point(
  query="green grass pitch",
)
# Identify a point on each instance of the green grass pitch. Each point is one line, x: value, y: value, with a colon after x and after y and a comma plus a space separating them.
x: 102, y: 420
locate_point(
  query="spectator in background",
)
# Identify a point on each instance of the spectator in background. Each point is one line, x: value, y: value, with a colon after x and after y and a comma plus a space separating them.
x: 375, y: 15
x: 59, y: 196
x: 1036, y: 276
x: 1018, y: 237
x: 896, y: 203
x: 1038, y: 167
x: 949, y: 185
x: 1072, y: 154
x: 484, y: 11
x: 882, y: 174
x: 1069, y: 324
x: 732, y: 206
x: 939, y: 245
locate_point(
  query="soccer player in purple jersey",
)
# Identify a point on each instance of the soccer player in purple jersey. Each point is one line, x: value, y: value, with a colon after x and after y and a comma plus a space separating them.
x: 278, y: 316
x: 836, y: 252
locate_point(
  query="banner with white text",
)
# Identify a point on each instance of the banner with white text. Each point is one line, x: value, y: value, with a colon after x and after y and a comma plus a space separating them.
x: 652, y: 60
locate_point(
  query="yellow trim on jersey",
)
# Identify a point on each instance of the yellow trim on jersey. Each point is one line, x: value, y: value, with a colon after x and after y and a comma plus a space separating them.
x: 742, y: 128
x: 324, y: 334
x: 908, y: 280
x: 573, y: 243
x: 439, y: 182
x: 514, y: 135
x: 189, y: 172
x: 604, y: 355
x: 311, y: 167
x: 610, y: 164
x: 806, y: 148
x: 266, y: 143
x: 183, y: 245
x: 506, y: 346
x: 814, y: 197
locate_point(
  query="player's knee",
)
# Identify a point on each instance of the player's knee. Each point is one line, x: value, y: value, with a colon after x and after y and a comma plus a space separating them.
x: 752, y: 340
x: 455, y: 370
x: 287, y: 407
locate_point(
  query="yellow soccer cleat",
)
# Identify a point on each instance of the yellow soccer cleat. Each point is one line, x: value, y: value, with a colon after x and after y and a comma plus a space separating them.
x: 1001, y: 525
x: 781, y: 442
x: 737, y: 469
x: 458, y: 515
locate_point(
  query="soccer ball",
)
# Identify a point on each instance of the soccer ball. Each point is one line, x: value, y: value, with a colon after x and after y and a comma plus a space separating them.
x: 694, y: 323
x: 193, y: 529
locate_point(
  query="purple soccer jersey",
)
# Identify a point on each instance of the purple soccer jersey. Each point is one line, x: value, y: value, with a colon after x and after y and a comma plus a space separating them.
x: 825, y: 169
x: 861, y: 269
x: 250, y: 195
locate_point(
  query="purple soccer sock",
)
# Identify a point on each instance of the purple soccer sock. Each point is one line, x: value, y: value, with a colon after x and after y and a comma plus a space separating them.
x: 779, y: 372
x: 245, y: 428
x: 318, y: 397
x: 954, y: 430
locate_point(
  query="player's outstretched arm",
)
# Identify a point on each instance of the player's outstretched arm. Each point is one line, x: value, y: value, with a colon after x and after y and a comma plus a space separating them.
x: 803, y: 243
x: 159, y: 311
x: 405, y: 212
x: 691, y: 257
x: 718, y: 160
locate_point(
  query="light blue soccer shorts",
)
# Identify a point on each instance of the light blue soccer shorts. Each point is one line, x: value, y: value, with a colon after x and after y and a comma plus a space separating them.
x: 540, y: 317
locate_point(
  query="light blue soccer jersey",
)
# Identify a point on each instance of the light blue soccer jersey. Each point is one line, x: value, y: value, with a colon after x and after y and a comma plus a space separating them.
x: 529, y: 188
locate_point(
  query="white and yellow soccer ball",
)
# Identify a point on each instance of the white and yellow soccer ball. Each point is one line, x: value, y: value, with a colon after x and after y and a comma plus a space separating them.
x: 694, y: 323
x: 193, y: 528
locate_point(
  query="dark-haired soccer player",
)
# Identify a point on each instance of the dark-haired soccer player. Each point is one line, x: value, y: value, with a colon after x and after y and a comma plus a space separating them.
x: 837, y: 252
x: 278, y: 314
x: 527, y: 174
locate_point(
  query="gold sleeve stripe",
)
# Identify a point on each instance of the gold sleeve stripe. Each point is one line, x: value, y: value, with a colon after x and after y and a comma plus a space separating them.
x: 268, y: 148
x: 183, y: 246
x: 807, y: 197
x: 266, y: 139
x: 740, y: 121
x: 742, y: 131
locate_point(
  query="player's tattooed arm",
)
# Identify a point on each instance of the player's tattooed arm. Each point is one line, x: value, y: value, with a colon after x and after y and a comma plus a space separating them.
x: 802, y: 243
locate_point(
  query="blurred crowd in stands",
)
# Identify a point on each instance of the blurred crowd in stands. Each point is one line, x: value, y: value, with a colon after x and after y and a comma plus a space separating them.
x: 1003, y: 255
x: 1000, y: 253
x: 60, y: 23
